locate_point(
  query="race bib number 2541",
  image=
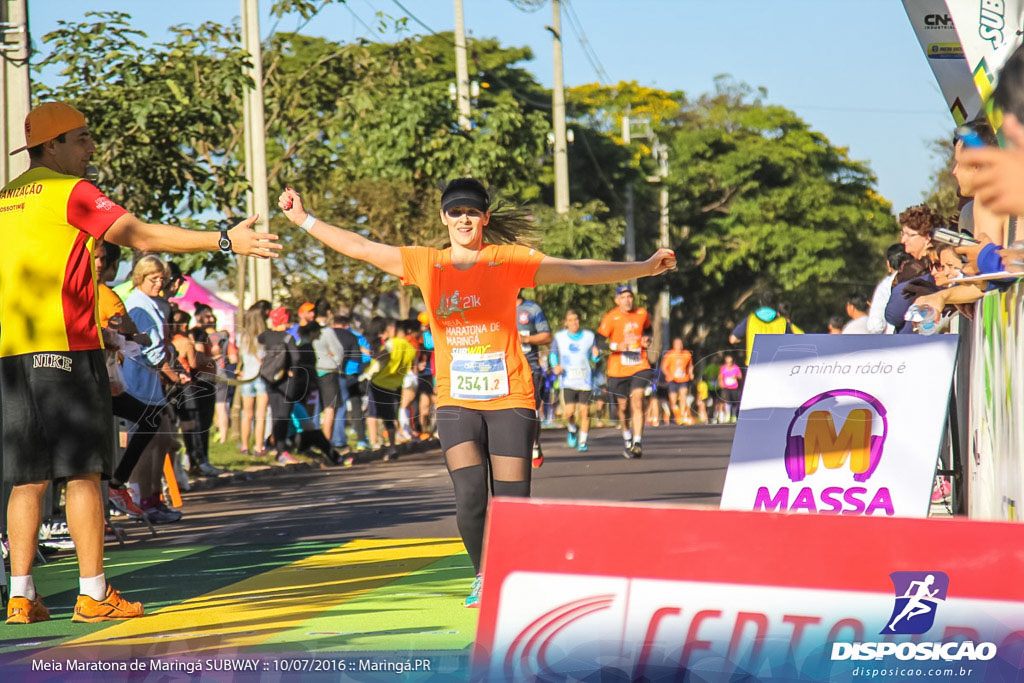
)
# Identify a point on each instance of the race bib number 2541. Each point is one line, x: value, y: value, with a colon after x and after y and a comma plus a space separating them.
x: 478, y: 376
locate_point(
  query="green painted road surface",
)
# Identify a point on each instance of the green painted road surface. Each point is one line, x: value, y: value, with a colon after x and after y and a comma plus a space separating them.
x: 362, y: 603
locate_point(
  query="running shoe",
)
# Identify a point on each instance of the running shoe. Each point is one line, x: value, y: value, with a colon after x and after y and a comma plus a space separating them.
x: 286, y: 458
x: 636, y: 450
x: 538, y: 457
x: 583, y: 447
x: 112, y: 607
x: 21, y: 610
x: 942, y: 492
x: 161, y: 514
x: 208, y: 470
x: 390, y: 454
x: 473, y: 599
x: 362, y: 446
x: 572, y: 439
x: 122, y: 500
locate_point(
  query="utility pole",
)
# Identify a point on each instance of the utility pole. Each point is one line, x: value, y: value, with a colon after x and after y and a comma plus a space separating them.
x: 630, y: 219
x: 461, y: 68
x: 664, y: 308
x: 558, y: 113
x: 256, y: 146
x: 14, y: 86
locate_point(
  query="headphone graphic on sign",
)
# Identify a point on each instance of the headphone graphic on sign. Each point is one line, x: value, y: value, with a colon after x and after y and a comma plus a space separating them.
x: 796, y: 462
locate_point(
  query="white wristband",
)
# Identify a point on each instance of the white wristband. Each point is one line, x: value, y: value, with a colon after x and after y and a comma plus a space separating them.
x: 308, y: 224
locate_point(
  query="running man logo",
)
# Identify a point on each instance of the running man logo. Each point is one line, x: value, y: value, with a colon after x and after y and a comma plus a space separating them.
x: 822, y: 443
x: 456, y: 304
x: 918, y: 595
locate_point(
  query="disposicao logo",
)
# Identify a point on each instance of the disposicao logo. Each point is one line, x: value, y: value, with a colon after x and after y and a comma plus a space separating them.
x: 918, y: 596
x: 858, y: 444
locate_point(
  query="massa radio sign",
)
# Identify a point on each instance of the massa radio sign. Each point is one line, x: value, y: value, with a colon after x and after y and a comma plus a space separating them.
x: 842, y: 431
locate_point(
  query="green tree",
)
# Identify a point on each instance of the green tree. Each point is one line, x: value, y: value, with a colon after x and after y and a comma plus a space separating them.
x: 760, y: 202
x: 165, y: 117
x: 942, y: 195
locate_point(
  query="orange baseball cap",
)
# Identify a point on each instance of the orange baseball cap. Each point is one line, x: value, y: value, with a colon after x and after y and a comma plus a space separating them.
x: 49, y: 120
x: 306, y: 307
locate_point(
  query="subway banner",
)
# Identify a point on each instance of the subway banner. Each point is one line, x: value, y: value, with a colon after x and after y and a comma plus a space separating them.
x: 841, y: 424
x: 989, y: 31
x: 576, y: 591
x: 934, y: 29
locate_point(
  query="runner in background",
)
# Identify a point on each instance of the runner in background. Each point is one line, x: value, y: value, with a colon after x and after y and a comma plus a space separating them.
x: 571, y: 356
x: 486, y: 411
x: 625, y: 331
x: 533, y: 331
x: 677, y: 369
x: 425, y: 378
x: 729, y: 376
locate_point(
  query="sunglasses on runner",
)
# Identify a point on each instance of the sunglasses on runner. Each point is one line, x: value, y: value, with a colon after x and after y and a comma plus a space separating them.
x: 459, y: 212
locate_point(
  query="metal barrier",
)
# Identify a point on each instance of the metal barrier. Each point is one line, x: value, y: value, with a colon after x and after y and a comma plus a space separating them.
x: 995, y: 426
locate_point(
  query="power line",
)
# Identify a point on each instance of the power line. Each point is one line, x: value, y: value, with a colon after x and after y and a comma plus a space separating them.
x: 414, y: 17
x: 581, y: 37
x: 358, y: 18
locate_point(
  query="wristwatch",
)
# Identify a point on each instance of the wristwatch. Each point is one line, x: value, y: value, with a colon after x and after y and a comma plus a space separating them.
x: 224, y: 242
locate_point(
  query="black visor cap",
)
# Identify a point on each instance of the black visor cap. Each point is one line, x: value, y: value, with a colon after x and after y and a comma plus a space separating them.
x: 465, y: 192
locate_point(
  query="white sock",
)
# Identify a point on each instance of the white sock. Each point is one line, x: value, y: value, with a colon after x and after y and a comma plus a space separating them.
x: 572, y: 428
x: 627, y: 436
x: 583, y: 437
x: 636, y: 439
x: 23, y: 586
x: 95, y: 587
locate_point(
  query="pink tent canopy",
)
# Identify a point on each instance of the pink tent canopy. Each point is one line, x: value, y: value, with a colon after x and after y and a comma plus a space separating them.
x: 192, y: 293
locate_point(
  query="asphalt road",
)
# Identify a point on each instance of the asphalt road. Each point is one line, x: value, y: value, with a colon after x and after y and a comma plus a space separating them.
x: 412, y: 497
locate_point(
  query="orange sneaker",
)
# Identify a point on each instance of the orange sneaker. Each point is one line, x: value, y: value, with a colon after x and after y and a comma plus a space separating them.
x: 21, y: 610
x: 112, y: 607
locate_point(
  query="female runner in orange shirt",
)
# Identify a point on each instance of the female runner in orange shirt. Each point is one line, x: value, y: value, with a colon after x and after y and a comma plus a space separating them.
x: 485, y: 412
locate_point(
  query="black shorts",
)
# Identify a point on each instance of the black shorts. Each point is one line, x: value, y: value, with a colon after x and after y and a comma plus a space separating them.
x: 383, y: 403
x: 425, y: 384
x: 622, y: 387
x: 330, y: 391
x: 538, y: 387
x: 502, y: 432
x: 581, y: 396
x: 676, y: 387
x: 57, y: 416
x: 729, y: 395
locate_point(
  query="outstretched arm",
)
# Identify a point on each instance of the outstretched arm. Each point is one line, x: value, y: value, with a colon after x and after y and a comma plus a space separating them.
x: 590, y: 272
x: 351, y: 244
x: 129, y: 231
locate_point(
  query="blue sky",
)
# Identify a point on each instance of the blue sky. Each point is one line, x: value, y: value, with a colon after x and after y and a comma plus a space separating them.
x: 851, y: 68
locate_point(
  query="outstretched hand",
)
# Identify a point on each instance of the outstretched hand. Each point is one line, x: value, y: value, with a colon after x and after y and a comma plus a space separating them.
x: 291, y: 203
x: 662, y: 260
x: 247, y: 242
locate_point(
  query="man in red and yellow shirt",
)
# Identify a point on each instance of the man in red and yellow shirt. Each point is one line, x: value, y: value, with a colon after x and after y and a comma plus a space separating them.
x: 57, y: 419
x: 625, y: 330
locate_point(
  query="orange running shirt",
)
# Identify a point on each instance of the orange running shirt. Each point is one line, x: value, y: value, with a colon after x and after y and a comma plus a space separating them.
x: 49, y: 223
x: 479, y: 360
x: 676, y: 366
x: 624, y: 330
x: 109, y: 304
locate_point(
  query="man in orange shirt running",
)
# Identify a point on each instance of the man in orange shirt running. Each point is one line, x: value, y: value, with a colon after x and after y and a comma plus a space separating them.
x: 626, y: 333
x: 677, y: 369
